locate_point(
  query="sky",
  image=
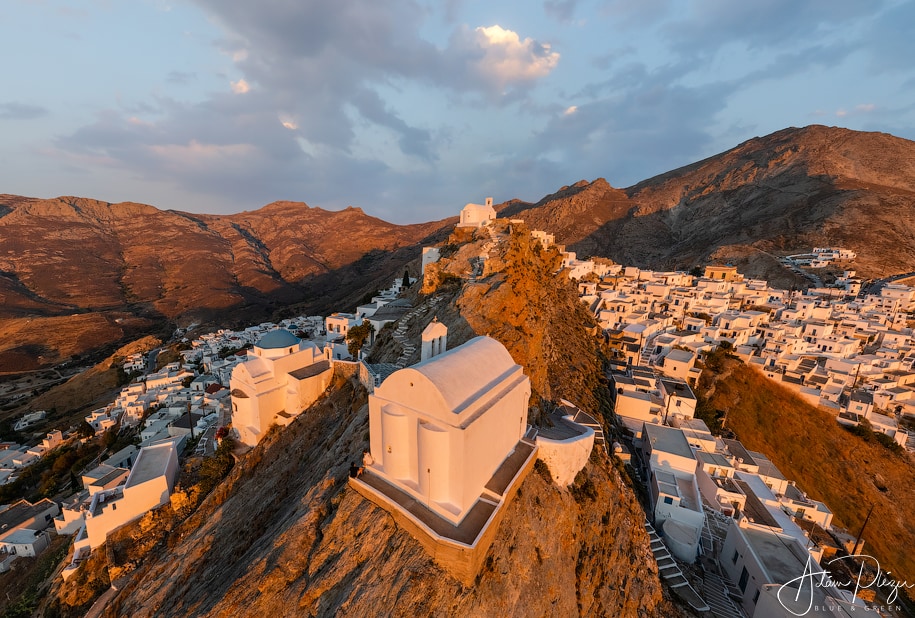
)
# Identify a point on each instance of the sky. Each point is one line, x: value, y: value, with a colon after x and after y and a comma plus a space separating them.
x: 409, y: 109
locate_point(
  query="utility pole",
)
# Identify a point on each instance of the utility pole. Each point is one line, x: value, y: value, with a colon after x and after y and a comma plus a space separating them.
x: 854, y: 551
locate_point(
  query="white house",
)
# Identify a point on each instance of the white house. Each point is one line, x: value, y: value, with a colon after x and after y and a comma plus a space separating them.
x: 477, y: 215
x: 769, y: 568
x: 29, y: 419
x: 280, y: 378
x: 674, y: 491
x: 440, y: 429
x: 22, y: 526
x: 338, y: 324
x: 148, y: 486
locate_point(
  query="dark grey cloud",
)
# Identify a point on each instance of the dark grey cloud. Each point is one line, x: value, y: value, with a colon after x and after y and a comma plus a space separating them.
x: 13, y: 110
x: 562, y: 10
x: 645, y: 124
x: 712, y: 24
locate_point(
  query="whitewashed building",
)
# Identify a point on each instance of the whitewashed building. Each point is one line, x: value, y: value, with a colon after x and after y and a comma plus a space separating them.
x: 280, y: 378
x: 477, y: 215
x: 440, y: 429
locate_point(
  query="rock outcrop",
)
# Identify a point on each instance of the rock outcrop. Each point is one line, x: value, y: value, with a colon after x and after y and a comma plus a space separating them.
x: 783, y: 193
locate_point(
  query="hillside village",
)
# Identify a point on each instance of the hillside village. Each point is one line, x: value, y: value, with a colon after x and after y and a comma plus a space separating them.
x: 450, y: 435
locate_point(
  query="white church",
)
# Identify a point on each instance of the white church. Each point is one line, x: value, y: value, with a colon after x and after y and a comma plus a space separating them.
x: 441, y: 428
x: 282, y: 376
x: 477, y: 215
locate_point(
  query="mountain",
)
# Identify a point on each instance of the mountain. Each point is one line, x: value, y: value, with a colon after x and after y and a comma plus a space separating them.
x: 79, y: 274
x: 125, y: 270
x: 284, y: 535
x: 775, y: 195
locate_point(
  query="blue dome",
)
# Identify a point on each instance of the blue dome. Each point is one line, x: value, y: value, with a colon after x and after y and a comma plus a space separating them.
x: 276, y: 339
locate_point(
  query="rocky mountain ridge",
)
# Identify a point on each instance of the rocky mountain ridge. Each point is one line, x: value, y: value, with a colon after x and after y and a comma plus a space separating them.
x: 130, y: 269
x: 284, y: 535
x: 769, y: 196
x: 116, y: 264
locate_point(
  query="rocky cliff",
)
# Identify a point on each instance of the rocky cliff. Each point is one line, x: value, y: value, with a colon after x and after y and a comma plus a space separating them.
x: 127, y: 269
x: 285, y: 535
x: 783, y: 193
x: 114, y: 270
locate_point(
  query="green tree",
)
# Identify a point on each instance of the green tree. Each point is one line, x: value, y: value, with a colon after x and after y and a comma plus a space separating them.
x: 357, y: 336
x: 85, y: 430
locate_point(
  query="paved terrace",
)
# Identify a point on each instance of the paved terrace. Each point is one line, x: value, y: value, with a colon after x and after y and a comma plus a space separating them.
x: 473, y: 524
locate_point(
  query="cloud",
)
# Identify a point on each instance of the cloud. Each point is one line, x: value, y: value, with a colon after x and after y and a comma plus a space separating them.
x: 13, y: 110
x: 240, y: 87
x: 865, y: 107
x: 774, y: 24
x: 507, y: 60
x: 640, y: 122
x: 561, y: 10
x: 570, y: 110
x: 331, y: 93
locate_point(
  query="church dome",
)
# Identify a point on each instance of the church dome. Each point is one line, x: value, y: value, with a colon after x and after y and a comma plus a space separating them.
x: 277, y: 339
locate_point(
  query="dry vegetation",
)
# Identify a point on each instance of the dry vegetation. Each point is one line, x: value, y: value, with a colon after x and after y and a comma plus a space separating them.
x: 95, y: 386
x: 831, y: 464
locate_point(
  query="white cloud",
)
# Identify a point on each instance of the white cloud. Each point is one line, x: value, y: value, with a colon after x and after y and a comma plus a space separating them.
x: 841, y: 113
x: 508, y: 59
x: 865, y: 107
x: 570, y: 110
x: 240, y: 87
x: 292, y: 125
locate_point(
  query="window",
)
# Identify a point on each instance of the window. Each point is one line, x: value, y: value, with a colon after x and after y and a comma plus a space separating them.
x: 744, y: 577
x: 668, y: 500
x: 756, y: 596
x: 734, y: 557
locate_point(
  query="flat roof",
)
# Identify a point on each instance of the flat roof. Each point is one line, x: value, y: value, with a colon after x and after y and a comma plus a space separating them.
x: 151, y: 462
x: 114, y: 474
x: 766, y: 467
x: 754, y: 508
x: 668, y: 440
x: 19, y: 512
x: 716, y: 459
x: 681, y: 389
x: 737, y: 450
x: 23, y: 536
x: 311, y: 370
x: 680, y: 355
x: 781, y: 564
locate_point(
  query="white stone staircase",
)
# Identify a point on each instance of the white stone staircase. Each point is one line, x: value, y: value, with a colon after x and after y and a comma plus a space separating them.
x: 670, y: 572
x: 400, y: 333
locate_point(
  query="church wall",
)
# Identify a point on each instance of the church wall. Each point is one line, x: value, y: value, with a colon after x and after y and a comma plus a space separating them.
x: 434, y: 459
x: 490, y: 438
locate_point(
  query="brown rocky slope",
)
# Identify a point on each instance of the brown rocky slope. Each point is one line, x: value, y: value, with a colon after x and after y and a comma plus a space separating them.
x: 124, y: 268
x: 285, y: 536
x: 783, y: 193
x: 130, y: 268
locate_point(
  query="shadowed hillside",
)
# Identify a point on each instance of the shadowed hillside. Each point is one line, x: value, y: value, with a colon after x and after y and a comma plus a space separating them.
x: 831, y: 464
x: 129, y: 268
x: 779, y: 194
x: 286, y: 536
